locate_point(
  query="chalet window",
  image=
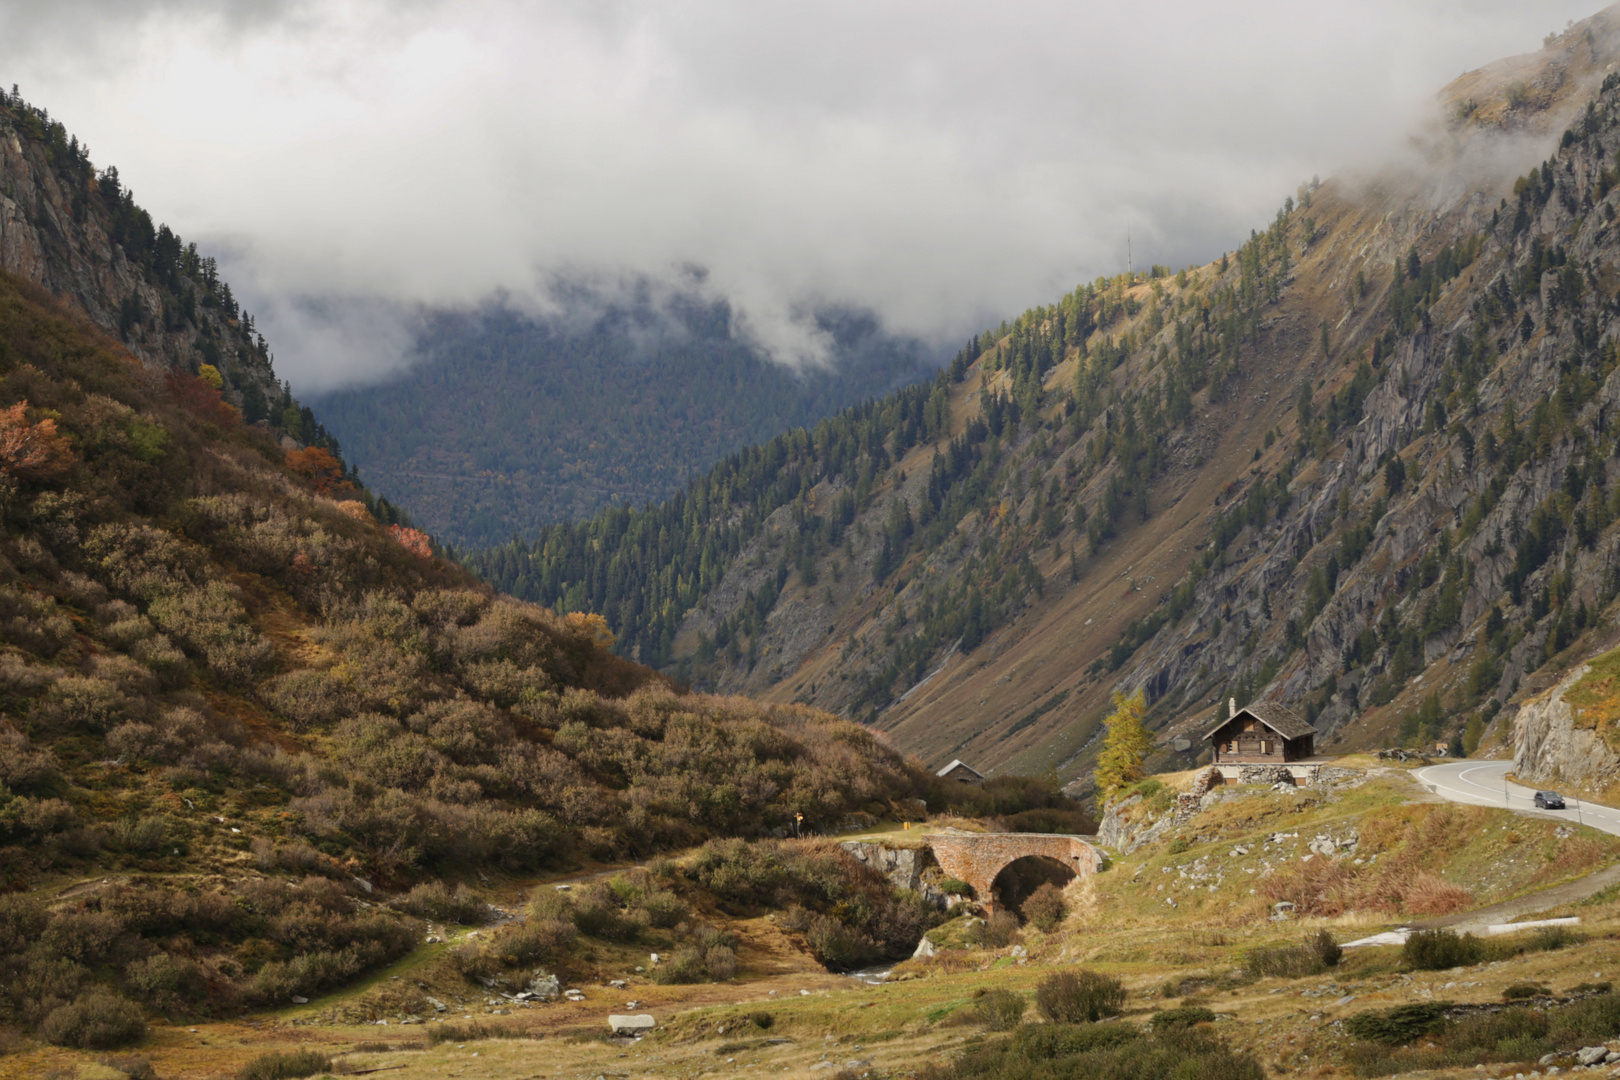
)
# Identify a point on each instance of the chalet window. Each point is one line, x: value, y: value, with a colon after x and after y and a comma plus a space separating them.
x: 1265, y: 746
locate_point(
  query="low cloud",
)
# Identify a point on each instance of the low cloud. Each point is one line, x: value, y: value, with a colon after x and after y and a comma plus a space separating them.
x: 942, y: 164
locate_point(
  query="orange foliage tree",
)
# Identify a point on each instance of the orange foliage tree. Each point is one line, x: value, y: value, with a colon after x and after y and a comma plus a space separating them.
x: 32, y: 451
x: 414, y: 541
x: 323, y: 471
x: 199, y: 397
x: 592, y: 626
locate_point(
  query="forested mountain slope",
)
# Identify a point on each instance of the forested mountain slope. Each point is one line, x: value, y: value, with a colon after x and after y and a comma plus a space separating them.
x: 1361, y: 465
x: 508, y: 422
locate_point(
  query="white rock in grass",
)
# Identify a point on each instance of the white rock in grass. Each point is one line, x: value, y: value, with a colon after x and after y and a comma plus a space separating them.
x: 631, y: 1023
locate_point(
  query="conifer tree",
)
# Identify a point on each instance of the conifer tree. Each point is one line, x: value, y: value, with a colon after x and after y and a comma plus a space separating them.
x: 1125, y: 747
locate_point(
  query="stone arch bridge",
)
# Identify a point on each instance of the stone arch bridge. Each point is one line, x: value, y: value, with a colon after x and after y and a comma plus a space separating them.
x: 977, y: 858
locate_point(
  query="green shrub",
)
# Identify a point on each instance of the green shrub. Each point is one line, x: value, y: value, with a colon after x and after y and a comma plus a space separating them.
x: 1079, y: 997
x: 1438, y: 950
x: 1055, y: 1040
x: 1594, y: 1019
x: 97, y: 1021
x: 1099, y: 1052
x: 1148, y: 788
x: 1186, y: 1016
x: 1397, y: 1026
x: 955, y: 887
x: 1522, y: 990
x: 1178, y: 845
x: 285, y: 1065
x: 1551, y: 938
x: 762, y: 1020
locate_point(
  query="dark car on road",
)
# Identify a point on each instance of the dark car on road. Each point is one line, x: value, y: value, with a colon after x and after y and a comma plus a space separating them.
x: 1549, y: 800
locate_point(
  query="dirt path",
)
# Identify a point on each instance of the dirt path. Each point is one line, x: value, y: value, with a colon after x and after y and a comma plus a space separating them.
x: 1569, y: 892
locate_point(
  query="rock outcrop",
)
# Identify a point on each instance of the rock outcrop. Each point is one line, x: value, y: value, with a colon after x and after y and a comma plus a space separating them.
x: 903, y: 866
x: 1550, y: 748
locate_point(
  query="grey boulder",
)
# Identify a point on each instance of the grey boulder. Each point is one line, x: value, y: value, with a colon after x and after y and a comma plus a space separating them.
x: 631, y: 1023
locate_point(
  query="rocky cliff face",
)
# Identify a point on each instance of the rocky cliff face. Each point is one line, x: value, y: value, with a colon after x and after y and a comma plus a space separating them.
x: 78, y: 232
x: 1550, y: 748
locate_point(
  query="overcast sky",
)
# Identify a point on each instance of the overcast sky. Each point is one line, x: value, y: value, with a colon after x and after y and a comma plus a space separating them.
x: 943, y: 163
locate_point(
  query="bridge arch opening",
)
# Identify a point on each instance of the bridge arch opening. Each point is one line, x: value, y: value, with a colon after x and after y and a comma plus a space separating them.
x: 1017, y: 881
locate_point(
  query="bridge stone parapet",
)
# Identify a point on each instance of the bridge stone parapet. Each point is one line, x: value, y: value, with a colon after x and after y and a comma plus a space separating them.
x: 977, y: 858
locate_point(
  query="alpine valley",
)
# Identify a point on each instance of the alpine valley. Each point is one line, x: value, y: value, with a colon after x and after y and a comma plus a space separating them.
x: 1363, y: 464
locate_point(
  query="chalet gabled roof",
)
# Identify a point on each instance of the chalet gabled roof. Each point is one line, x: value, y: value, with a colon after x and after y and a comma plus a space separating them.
x: 957, y: 763
x: 1279, y: 718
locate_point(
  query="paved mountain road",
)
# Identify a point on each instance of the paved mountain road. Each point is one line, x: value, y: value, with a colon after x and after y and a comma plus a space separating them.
x: 1485, y: 783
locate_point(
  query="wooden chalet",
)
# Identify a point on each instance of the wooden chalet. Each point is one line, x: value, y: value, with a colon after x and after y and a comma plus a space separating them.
x: 961, y: 772
x: 1261, y: 734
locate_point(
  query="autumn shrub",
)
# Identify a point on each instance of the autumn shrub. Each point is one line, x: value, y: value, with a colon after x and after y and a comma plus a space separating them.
x: 212, y: 624
x: 1326, y: 947
x: 164, y: 982
x: 33, y: 452
x: 86, y: 703
x: 100, y: 1020
x: 1285, y: 961
x: 435, y: 900
x: 663, y: 908
x: 997, y: 931
x: 285, y: 1065
x: 838, y: 946
x: 1079, y: 997
x: 33, y: 622
x: 83, y: 935
x: 131, y: 1065
x: 1045, y: 907
x: 599, y: 913
x: 1429, y: 894
x: 685, y: 965
x: 721, y: 962
x: 709, y: 956
x: 997, y: 1010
